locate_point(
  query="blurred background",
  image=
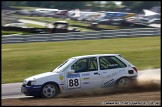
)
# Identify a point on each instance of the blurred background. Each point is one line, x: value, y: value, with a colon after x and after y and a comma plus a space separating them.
x: 40, y: 17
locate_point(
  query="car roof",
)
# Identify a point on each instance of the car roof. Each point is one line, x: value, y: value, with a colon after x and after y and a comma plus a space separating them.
x: 95, y: 55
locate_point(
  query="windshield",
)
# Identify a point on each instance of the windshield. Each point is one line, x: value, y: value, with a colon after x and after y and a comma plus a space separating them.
x: 64, y: 65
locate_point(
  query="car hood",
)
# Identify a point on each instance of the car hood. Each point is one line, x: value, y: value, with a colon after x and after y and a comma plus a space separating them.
x: 43, y: 77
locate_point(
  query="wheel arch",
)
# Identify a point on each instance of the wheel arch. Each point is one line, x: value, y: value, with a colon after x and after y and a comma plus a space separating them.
x: 117, y: 81
x: 52, y: 82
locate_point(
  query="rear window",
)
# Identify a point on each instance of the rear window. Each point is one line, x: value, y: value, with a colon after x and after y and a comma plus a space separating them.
x: 110, y: 62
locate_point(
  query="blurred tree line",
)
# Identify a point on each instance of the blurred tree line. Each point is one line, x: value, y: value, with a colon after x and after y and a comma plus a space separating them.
x: 135, y: 6
x: 139, y: 5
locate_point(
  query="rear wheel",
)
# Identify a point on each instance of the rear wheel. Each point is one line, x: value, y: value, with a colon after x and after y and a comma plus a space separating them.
x: 123, y: 82
x: 49, y: 90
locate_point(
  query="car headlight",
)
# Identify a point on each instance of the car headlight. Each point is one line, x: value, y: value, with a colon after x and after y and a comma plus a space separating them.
x: 31, y: 82
x: 24, y: 82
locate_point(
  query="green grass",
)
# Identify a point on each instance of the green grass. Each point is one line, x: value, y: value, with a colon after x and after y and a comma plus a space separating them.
x: 23, y: 60
x: 25, y: 7
x: 13, y: 32
x: 112, y: 27
x: 34, y: 25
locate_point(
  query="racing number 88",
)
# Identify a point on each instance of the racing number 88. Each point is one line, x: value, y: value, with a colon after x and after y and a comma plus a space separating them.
x: 73, y: 83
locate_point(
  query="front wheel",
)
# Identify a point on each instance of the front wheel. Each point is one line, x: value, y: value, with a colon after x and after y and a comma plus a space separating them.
x: 49, y: 90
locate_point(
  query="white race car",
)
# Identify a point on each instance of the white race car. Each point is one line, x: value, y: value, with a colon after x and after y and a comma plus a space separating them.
x: 81, y: 73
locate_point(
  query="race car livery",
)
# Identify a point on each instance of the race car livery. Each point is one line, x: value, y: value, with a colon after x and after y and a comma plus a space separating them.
x: 81, y: 73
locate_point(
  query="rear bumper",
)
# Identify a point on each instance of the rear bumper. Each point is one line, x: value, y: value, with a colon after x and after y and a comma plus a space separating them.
x: 31, y: 90
x: 133, y: 77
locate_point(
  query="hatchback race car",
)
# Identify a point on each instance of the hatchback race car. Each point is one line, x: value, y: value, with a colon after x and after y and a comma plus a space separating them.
x: 81, y: 73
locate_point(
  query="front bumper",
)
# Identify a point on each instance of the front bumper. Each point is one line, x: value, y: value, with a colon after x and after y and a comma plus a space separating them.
x: 34, y: 90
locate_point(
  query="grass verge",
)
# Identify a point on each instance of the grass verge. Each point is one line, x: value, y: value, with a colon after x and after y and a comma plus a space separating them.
x: 22, y: 60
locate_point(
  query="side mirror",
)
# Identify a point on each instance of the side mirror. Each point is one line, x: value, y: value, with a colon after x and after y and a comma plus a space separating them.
x: 70, y: 72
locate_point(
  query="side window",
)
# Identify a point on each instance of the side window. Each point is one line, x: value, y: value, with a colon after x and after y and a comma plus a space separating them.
x: 80, y: 65
x: 85, y: 64
x: 110, y: 62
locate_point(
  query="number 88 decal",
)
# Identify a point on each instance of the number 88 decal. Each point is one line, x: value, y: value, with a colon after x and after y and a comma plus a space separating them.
x: 73, y: 82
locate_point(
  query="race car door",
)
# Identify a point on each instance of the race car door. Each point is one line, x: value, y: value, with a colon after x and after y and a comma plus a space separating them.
x: 86, y: 74
x: 111, y: 69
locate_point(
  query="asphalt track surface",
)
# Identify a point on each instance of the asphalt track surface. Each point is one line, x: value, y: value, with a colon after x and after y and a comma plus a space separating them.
x: 145, y: 92
x: 13, y: 90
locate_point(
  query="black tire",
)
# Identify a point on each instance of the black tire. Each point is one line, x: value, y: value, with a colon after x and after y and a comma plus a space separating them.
x: 49, y: 90
x: 123, y: 82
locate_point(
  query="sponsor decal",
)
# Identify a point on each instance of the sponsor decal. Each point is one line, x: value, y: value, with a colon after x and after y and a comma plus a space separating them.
x: 85, y: 78
x: 115, y: 73
x: 61, y: 84
x: 72, y: 75
x: 86, y: 74
x: 121, y: 70
x: 109, y: 76
x: 109, y: 83
x: 86, y: 82
x: 61, y: 77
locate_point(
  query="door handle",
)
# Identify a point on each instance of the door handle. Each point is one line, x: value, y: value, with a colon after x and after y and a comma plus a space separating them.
x: 96, y: 73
